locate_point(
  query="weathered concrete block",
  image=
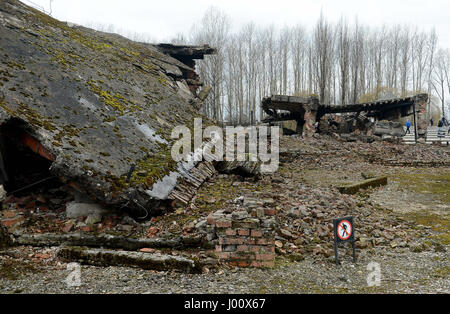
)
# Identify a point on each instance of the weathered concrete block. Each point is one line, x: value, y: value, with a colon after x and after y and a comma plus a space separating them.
x: 123, y: 258
x: 354, y: 188
x: 388, y: 128
x: 2, y: 193
x: 76, y: 210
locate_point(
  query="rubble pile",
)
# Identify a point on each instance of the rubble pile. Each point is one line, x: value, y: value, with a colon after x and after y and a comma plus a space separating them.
x: 335, y: 149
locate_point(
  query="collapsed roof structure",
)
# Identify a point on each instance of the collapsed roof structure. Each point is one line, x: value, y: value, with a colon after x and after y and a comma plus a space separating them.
x: 307, y: 110
x: 97, y: 109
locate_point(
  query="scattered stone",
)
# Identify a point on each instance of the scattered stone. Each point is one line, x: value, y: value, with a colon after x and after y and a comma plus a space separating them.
x: 93, y: 219
x: 68, y: 226
x: 127, y: 220
x: 239, y: 215
x: 5, y: 238
x: 76, y: 210
x: 286, y: 234
x: 2, y: 193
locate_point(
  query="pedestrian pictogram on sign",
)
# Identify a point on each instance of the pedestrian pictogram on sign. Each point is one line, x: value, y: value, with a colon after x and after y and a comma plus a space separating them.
x: 343, y: 232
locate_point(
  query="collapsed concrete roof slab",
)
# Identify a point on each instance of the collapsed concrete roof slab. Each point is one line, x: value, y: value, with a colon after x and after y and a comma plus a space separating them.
x: 308, y: 110
x: 100, y: 105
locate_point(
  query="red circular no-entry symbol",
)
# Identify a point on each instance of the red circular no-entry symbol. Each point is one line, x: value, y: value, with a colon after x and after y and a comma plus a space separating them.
x: 344, y: 230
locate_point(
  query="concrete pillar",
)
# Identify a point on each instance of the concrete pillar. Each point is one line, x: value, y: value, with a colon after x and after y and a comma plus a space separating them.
x: 420, y: 102
x: 310, y: 117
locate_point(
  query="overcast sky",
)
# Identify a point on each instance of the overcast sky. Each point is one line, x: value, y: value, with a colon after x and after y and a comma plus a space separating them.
x: 164, y: 19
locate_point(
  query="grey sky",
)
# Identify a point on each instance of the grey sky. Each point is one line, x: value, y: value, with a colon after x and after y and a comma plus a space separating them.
x: 163, y: 19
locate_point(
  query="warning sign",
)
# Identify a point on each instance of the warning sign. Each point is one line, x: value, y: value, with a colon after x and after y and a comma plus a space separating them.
x: 344, y: 230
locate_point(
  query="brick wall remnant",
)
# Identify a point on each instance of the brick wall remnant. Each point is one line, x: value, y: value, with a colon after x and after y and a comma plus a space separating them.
x: 244, y: 239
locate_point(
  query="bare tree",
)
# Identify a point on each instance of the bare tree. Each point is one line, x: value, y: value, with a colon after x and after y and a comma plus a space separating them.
x: 323, y: 46
x: 340, y: 62
x: 439, y: 78
x: 344, y: 58
x: 214, y: 31
x: 446, y: 69
x: 431, y: 48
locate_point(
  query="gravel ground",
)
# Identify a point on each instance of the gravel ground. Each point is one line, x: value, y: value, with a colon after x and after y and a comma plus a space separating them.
x: 401, y: 271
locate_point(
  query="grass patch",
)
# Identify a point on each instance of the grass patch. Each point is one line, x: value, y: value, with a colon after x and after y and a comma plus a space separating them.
x: 437, y: 185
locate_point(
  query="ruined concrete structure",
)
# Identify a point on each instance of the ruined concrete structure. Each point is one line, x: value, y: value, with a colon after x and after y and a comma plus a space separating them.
x: 307, y: 110
x: 95, y: 110
x: 187, y: 55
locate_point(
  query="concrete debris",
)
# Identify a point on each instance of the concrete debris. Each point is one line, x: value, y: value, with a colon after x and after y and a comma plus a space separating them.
x: 98, y: 100
x: 143, y: 260
x: 106, y: 241
x: 76, y: 210
x: 2, y: 194
x: 388, y: 128
x: 355, y: 187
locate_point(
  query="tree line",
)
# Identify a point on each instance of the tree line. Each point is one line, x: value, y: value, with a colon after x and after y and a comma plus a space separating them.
x: 341, y: 63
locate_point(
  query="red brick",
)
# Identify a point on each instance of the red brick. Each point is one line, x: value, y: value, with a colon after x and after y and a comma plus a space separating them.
x: 218, y: 248
x: 243, y: 248
x: 243, y: 232
x: 256, y: 264
x: 9, y: 213
x: 211, y: 220
x: 243, y: 264
x: 262, y: 242
x: 244, y: 255
x: 68, y: 227
x: 147, y: 250
x: 265, y: 257
x: 250, y: 241
x: 270, y: 212
x: 85, y: 228
x: 268, y: 249
x: 255, y: 248
x: 223, y: 224
x: 230, y: 232
x: 268, y: 264
x: 13, y: 221
x: 224, y: 255
x: 256, y: 233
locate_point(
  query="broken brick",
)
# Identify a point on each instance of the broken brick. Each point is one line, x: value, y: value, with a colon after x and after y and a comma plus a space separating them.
x: 13, y: 221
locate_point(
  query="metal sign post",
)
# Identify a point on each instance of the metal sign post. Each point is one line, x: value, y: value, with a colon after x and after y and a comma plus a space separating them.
x: 343, y: 232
